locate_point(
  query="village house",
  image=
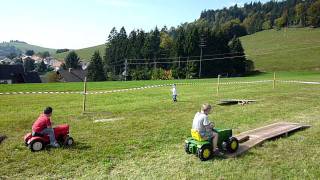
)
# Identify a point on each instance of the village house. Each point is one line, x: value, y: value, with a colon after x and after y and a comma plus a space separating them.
x: 10, y: 74
x: 72, y: 75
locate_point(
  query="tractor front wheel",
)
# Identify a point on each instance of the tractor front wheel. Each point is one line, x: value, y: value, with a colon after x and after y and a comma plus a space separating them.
x: 36, y: 145
x: 205, y: 152
x: 68, y: 141
x: 232, y: 145
x: 186, y: 148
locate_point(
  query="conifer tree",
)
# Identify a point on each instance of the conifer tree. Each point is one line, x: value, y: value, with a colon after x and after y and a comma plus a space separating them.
x: 95, y: 68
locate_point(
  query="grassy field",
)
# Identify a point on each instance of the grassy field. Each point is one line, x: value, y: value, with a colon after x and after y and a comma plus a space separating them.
x: 84, y: 54
x: 148, y: 142
x: 289, y: 49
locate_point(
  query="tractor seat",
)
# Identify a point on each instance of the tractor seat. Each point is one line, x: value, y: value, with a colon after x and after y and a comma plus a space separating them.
x: 196, y: 135
x: 37, y: 134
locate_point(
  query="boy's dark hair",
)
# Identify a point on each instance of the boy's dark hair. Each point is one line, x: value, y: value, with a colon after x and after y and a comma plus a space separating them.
x: 47, y: 110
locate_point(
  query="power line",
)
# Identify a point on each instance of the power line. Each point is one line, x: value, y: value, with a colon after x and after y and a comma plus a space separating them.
x: 172, y: 62
x: 185, y: 57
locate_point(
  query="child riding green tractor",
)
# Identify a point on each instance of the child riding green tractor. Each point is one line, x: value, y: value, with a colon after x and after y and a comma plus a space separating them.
x: 203, y: 148
x: 207, y: 140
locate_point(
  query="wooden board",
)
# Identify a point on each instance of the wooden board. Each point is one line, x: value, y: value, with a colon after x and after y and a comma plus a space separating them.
x: 259, y: 135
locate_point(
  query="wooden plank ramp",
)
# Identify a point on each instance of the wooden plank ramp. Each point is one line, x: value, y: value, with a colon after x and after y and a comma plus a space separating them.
x: 255, y: 137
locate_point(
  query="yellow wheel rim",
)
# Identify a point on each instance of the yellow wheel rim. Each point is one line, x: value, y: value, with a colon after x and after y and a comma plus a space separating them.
x: 206, y: 153
x: 234, y: 145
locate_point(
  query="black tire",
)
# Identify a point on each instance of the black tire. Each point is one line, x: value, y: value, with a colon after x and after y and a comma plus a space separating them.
x: 186, y: 148
x: 68, y: 141
x: 205, y: 152
x: 36, y: 145
x: 232, y: 145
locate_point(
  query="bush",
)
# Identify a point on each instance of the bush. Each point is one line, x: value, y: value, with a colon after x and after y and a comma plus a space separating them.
x: 52, y: 77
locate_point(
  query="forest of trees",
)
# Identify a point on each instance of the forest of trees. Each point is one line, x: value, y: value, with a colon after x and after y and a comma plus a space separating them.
x: 174, y: 53
x: 204, y: 48
x: 254, y: 17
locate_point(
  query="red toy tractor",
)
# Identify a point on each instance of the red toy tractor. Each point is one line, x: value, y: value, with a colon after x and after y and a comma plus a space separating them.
x: 39, y: 141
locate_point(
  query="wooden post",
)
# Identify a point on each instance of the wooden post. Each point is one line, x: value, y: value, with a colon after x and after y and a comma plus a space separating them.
x: 187, y: 72
x: 218, y: 85
x: 84, y: 93
x: 125, y: 69
x: 274, y: 80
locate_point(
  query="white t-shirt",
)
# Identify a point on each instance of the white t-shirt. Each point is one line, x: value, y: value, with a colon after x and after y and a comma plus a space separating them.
x: 200, y: 120
x: 174, y: 91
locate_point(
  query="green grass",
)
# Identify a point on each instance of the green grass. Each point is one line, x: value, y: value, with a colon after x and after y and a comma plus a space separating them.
x: 148, y: 143
x: 290, y: 49
x: 112, y: 85
x: 24, y: 47
x: 84, y: 54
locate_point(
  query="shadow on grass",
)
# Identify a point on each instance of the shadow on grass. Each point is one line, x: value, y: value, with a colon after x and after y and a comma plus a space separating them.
x: 254, y: 73
x: 181, y: 101
x: 79, y: 146
x: 228, y: 104
x: 75, y: 146
x: 96, y: 113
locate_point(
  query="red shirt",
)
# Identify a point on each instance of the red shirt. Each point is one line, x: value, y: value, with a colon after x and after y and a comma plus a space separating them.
x: 41, y: 123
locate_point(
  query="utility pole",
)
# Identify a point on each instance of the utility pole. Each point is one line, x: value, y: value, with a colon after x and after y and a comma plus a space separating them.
x: 84, y: 94
x: 187, y: 72
x: 125, y: 69
x: 154, y: 64
x: 202, y: 44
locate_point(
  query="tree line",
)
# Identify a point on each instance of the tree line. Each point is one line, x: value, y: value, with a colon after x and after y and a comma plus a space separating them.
x: 166, y: 54
x: 174, y: 53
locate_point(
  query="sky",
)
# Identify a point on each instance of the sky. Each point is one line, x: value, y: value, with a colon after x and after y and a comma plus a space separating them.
x: 77, y: 24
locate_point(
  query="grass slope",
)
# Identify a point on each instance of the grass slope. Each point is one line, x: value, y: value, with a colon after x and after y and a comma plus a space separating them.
x: 24, y: 47
x: 148, y: 143
x: 84, y: 54
x: 289, y: 49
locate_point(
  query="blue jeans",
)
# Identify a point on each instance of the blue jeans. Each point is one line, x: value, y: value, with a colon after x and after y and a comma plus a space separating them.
x: 50, y: 132
x: 174, y: 98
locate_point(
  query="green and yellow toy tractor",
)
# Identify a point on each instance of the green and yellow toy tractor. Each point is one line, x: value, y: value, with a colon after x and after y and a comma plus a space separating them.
x: 203, y: 148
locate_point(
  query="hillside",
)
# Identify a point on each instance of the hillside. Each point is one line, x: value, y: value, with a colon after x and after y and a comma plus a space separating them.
x: 23, y: 47
x: 290, y: 49
x: 84, y: 54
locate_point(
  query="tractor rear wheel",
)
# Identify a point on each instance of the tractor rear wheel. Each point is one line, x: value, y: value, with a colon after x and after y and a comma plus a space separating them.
x: 68, y: 141
x: 232, y: 145
x: 205, y: 152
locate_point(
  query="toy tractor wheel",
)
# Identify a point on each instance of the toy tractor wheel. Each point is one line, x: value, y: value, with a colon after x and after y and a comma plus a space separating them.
x: 69, y: 141
x: 205, y: 152
x: 36, y: 145
x: 186, y: 148
x: 232, y: 145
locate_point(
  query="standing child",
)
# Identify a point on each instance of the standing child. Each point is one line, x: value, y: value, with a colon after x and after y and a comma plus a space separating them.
x: 174, y: 93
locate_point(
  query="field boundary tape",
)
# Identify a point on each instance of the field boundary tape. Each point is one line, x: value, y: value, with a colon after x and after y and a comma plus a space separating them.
x: 155, y: 86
